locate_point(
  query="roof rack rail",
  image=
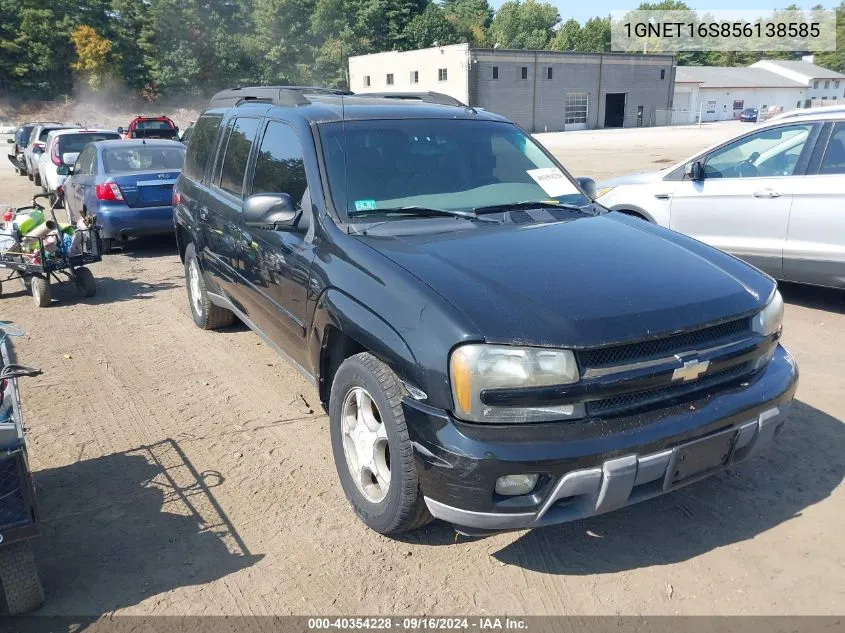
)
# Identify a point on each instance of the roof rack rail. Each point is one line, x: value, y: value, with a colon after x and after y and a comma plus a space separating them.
x: 274, y: 95
x: 426, y: 97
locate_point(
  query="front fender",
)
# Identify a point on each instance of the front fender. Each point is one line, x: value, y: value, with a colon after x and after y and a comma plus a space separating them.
x: 355, y: 320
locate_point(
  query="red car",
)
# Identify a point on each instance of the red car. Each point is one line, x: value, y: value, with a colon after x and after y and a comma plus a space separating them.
x: 150, y: 127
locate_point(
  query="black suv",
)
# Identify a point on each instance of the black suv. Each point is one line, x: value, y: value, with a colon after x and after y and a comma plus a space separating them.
x: 493, y: 348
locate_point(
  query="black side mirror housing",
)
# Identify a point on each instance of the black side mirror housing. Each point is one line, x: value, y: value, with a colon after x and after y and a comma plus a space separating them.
x: 269, y: 211
x: 10, y: 140
x: 588, y: 185
x: 64, y: 170
x: 694, y: 171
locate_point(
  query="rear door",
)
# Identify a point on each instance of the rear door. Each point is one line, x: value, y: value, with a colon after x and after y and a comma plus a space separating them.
x: 815, y: 243
x: 277, y: 262
x: 79, y: 183
x: 220, y: 208
x: 742, y: 205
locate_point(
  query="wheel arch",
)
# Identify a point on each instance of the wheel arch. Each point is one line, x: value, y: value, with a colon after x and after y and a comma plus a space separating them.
x: 342, y: 327
x: 634, y: 211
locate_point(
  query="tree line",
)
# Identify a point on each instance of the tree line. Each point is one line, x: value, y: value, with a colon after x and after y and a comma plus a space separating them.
x: 189, y: 48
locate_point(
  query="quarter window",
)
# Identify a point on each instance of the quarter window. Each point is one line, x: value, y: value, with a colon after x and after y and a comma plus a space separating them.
x: 771, y: 152
x: 280, y: 165
x: 237, y: 155
x: 199, y: 147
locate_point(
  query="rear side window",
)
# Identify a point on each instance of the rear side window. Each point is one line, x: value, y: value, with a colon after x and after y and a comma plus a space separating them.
x: 834, y: 155
x: 77, y: 142
x: 199, y: 148
x: 237, y: 154
x: 280, y: 166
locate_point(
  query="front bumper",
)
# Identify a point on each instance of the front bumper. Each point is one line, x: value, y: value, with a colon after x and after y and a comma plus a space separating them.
x: 593, y: 466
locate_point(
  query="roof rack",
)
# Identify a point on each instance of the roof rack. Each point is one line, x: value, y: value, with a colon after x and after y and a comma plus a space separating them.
x: 426, y: 97
x: 274, y: 95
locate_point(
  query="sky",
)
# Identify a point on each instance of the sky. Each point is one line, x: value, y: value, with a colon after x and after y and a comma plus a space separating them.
x: 582, y: 11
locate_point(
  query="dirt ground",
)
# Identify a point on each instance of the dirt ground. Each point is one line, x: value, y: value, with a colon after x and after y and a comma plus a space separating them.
x: 189, y: 472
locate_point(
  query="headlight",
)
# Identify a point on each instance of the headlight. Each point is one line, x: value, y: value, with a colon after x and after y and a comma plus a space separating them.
x: 474, y: 369
x: 603, y: 190
x: 770, y: 319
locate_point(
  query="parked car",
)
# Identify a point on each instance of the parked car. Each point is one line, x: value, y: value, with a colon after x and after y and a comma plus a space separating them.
x: 150, y: 127
x: 7, y: 127
x: 128, y: 185
x: 749, y: 115
x: 771, y: 196
x: 20, y: 587
x: 493, y: 348
x: 35, y: 147
x: 802, y: 112
x: 19, y: 142
x: 62, y: 147
x: 186, y: 133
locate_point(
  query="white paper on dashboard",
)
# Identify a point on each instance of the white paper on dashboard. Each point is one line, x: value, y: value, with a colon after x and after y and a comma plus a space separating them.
x: 552, y: 180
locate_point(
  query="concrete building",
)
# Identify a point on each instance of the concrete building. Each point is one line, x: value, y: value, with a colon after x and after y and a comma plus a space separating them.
x: 721, y: 93
x: 539, y: 90
x: 821, y: 84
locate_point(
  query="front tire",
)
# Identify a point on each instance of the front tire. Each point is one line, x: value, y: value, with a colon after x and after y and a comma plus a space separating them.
x: 84, y: 281
x: 372, y: 450
x: 206, y: 315
x: 20, y: 587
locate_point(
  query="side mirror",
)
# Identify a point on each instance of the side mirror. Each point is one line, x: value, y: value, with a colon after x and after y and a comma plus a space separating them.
x: 37, y: 150
x: 120, y: 130
x: 694, y: 171
x: 588, y: 185
x: 269, y: 211
x: 10, y: 140
x: 63, y: 170
x: 69, y: 158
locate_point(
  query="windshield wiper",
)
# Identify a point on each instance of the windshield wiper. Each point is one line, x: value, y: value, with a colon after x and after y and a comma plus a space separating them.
x: 521, y: 206
x: 417, y: 211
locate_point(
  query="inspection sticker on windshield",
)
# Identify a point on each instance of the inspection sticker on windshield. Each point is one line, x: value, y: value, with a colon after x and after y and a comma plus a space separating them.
x: 552, y: 180
x: 365, y: 205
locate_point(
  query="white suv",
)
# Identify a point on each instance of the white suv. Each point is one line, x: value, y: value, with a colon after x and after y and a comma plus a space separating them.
x: 61, y: 148
x: 772, y: 196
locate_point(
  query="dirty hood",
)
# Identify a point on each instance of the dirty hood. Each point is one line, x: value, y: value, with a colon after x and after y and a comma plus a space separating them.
x: 586, y: 282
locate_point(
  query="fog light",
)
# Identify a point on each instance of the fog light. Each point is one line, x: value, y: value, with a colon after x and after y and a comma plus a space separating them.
x: 511, y: 485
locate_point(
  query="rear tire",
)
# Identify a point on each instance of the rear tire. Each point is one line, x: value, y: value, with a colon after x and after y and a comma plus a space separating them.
x: 20, y: 587
x: 37, y: 180
x: 41, y: 294
x: 84, y: 281
x: 401, y: 508
x: 206, y: 315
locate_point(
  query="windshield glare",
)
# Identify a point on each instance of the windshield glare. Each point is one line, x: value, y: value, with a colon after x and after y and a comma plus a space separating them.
x: 437, y: 163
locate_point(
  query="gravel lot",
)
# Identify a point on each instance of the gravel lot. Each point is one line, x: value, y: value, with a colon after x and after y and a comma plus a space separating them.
x: 189, y: 472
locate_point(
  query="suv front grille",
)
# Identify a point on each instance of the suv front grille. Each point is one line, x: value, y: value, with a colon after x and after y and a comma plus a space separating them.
x: 640, y: 399
x: 667, y: 346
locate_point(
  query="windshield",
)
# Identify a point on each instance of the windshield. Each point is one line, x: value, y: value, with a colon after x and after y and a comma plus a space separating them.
x: 457, y: 165
x: 118, y: 160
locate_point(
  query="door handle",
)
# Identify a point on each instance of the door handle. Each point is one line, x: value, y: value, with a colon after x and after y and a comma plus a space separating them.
x: 766, y: 193
x: 662, y: 196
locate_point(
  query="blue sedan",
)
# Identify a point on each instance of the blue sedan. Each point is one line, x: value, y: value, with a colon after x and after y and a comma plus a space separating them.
x: 128, y: 185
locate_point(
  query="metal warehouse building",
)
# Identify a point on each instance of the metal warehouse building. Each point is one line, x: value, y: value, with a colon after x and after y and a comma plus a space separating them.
x: 540, y: 90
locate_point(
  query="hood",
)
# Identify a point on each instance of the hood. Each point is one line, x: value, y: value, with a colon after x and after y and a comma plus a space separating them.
x: 587, y: 282
x: 637, y: 179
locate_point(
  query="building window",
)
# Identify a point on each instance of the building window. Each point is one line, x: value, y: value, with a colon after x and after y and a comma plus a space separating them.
x: 495, y: 72
x: 576, y: 108
x: 836, y: 84
x: 827, y: 84
x: 390, y: 79
x: 549, y: 72
x: 798, y: 105
x: 415, y: 76
x: 739, y: 105
x: 525, y: 72
x: 367, y: 80
x: 824, y: 98
x: 816, y: 84
x: 662, y: 74
x: 442, y: 74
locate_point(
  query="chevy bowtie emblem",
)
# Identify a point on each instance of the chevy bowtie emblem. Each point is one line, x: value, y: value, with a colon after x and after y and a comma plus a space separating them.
x: 691, y: 370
